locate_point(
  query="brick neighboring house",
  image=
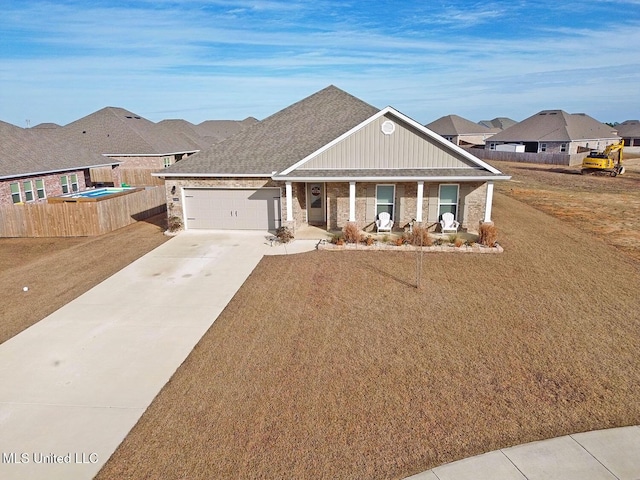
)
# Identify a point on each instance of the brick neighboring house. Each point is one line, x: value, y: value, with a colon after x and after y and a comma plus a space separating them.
x: 327, y: 160
x: 133, y: 141
x: 556, y: 131
x: 461, y: 131
x: 34, y: 167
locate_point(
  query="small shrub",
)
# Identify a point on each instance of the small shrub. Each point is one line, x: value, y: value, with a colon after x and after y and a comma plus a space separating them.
x: 337, y: 239
x: 419, y: 237
x: 385, y: 238
x: 351, y: 232
x: 452, y: 238
x: 487, y: 234
x: 174, y: 224
x: 369, y: 240
x: 399, y: 241
x: 284, y: 234
x: 458, y: 242
x: 469, y: 243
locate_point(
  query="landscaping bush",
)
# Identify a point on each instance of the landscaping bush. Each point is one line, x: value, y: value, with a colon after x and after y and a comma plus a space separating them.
x: 419, y: 237
x: 284, y: 235
x: 488, y: 234
x: 351, y: 232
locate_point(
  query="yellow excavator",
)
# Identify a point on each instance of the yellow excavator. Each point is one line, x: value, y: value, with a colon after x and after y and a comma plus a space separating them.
x: 609, y: 161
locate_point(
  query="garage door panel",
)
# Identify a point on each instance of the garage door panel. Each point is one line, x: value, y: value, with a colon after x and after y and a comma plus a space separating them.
x: 236, y: 209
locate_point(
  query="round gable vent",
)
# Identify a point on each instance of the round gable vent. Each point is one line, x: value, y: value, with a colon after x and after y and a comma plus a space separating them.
x: 388, y: 127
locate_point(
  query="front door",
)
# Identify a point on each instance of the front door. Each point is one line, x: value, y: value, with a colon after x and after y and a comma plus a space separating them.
x: 315, y: 203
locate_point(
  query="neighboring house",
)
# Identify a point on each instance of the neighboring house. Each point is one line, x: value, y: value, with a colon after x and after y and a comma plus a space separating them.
x: 461, y: 131
x: 629, y: 130
x: 500, y: 123
x: 557, y: 132
x: 135, y: 142
x: 328, y: 160
x: 34, y: 167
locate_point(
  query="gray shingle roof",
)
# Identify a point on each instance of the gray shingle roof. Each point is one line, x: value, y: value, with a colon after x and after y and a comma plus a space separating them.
x: 555, y: 126
x: 208, y: 132
x: 24, y: 152
x: 629, y: 129
x: 282, y: 139
x: 501, y: 123
x: 456, y: 125
x: 113, y: 130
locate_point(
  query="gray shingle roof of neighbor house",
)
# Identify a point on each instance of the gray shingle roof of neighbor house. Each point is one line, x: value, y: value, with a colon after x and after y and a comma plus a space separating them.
x: 501, y: 123
x: 629, y: 129
x: 28, y: 152
x: 114, y: 130
x: 208, y: 132
x: 556, y: 126
x: 280, y: 140
x: 218, y: 130
x: 456, y: 125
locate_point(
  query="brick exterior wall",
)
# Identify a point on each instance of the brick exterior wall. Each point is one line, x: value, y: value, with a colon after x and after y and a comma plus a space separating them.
x: 52, y: 185
x: 471, y: 205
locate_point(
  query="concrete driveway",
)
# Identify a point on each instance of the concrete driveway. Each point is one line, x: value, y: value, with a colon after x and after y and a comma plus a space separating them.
x: 73, y: 385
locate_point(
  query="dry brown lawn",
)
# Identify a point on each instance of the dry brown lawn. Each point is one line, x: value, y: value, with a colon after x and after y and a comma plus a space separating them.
x: 333, y: 365
x: 57, y: 270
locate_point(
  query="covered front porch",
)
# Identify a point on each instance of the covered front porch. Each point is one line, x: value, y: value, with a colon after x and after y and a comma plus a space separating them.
x: 329, y: 205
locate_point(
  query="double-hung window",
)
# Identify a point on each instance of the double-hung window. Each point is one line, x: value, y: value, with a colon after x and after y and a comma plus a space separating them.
x: 28, y: 190
x: 69, y: 183
x: 64, y: 182
x: 448, y: 200
x: 385, y: 195
x: 74, y: 182
x: 40, y: 189
x: 16, y: 197
x: 543, y: 147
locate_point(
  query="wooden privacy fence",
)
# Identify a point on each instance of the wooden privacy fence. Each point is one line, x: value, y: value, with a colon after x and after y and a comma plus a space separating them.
x: 526, y: 157
x: 80, y: 219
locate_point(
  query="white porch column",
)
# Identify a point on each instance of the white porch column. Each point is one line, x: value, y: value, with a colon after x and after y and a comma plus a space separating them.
x: 352, y: 201
x: 289, y: 194
x: 419, y: 201
x: 488, y: 203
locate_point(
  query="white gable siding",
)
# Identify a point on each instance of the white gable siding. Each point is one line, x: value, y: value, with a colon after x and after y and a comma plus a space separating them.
x: 370, y: 148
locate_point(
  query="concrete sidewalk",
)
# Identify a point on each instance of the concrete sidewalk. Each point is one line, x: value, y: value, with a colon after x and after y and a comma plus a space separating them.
x: 612, y: 454
x: 73, y: 385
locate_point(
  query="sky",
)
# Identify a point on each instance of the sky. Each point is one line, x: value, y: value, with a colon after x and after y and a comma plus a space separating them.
x: 217, y: 59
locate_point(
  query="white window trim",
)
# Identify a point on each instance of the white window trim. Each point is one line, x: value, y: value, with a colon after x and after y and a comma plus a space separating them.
x: 43, y: 189
x: 75, y: 186
x: 167, y: 162
x: 393, y: 204
x: 563, y: 147
x: 543, y: 147
x: 457, y: 204
x: 19, y: 192
x: 64, y: 183
x: 29, y: 184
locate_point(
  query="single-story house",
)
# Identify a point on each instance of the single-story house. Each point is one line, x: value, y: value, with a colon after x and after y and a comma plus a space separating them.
x: 327, y: 160
x: 556, y: 131
x: 461, y: 131
x: 34, y: 167
x: 629, y: 130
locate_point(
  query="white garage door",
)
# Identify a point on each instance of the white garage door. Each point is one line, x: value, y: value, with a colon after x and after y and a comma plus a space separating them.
x: 232, y: 208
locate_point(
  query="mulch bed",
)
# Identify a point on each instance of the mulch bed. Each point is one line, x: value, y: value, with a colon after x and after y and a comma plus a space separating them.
x: 334, y: 365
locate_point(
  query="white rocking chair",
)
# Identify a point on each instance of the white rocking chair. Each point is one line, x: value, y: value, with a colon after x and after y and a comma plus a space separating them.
x: 384, y: 223
x: 449, y: 223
